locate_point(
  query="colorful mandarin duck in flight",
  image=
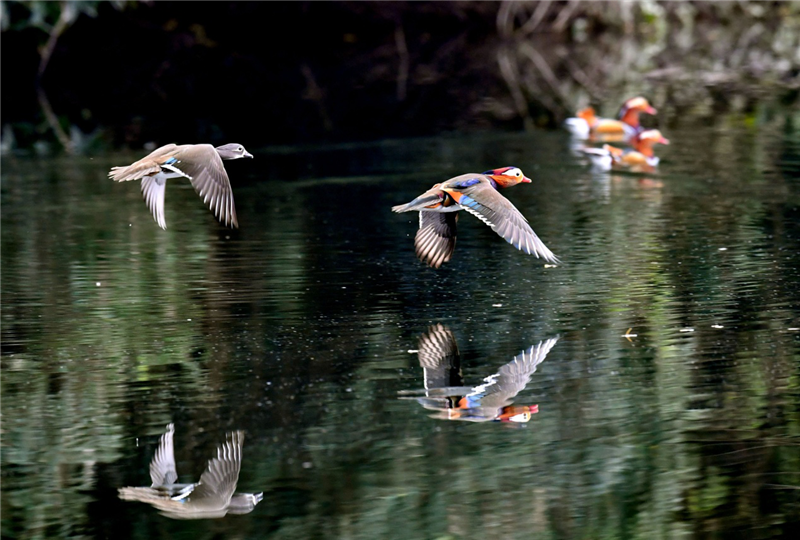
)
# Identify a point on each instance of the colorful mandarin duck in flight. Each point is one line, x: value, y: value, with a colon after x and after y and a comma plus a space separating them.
x: 446, y: 394
x: 200, y: 163
x: 213, y: 496
x: 477, y: 194
x: 587, y: 125
x: 640, y: 159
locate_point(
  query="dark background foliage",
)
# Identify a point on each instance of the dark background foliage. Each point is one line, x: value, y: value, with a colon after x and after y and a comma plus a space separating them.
x: 295, y: 72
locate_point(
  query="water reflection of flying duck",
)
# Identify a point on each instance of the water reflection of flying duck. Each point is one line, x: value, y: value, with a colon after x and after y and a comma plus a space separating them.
x: 587, y: 125
x: 639, y: 159
x: 211, y: 497
x: 477, y: 194
x: 200, y: 163
x: 491, y: 401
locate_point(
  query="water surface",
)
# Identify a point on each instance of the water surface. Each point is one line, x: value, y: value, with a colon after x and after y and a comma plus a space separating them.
x: 301, y: 329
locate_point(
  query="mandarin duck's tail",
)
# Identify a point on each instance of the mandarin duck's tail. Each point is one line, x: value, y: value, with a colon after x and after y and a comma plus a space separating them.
x: 420, y: 203
x: 429, y: 199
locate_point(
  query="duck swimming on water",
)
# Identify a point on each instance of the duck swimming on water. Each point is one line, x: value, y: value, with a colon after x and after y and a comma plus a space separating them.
x: 586, y: 125
x: 641, y: 158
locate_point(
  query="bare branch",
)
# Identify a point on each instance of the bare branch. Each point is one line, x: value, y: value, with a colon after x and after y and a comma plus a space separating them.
x: 402, y: 69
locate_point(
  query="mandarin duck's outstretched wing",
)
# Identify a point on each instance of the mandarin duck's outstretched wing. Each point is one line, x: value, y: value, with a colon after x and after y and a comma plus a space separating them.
x: 500, y: 389
x: 478, y: 196
x: 201, y: 162
x: 162, y: 466
x: 436, y: 238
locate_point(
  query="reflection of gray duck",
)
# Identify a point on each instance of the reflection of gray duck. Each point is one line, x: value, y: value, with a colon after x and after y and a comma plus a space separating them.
x: 491, y: 401
x: 212, y: 497
x: 201, y: 164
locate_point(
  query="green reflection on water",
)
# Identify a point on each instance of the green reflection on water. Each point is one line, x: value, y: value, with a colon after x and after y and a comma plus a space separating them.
x: 295, y: 328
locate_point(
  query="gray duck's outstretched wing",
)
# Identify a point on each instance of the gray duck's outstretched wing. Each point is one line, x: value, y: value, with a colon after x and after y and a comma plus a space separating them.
x: 209, y: 178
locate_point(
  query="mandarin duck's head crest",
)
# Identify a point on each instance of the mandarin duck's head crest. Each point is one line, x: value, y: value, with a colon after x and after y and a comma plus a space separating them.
x: 637, y: 104
x: 652, y: 136
x: 507, y: 176
x: 588, y: 114
x: 233, y: 151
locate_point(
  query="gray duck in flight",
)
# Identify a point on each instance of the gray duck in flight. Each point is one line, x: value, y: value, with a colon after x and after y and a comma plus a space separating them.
x: 200, y: 163
x: 211, y: 497
x: 477, y: 194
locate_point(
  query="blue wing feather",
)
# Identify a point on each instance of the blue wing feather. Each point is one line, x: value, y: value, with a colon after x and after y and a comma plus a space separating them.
x: 466, y: 183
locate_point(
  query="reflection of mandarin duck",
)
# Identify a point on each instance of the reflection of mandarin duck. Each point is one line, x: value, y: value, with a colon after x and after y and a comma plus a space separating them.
x: 477, y: 194
x: 200, y: 163
x: 587, y: 125
x: 639, y: 159
x: 211, y: 497
x: 491, y: 401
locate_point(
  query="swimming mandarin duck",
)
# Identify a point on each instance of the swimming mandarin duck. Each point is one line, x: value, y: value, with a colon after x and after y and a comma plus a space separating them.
x: 587, y: 125
x: 446, y: 394
x: 200, y: 163
x: 477, y: 194
x: 639, y: 159
x: 211, y: 497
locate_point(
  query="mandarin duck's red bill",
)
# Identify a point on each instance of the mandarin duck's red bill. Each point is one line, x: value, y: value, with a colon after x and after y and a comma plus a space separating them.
x: 477, y: 194
x: 587, y: 125
x: 201, y: 164
x: 446, y: 393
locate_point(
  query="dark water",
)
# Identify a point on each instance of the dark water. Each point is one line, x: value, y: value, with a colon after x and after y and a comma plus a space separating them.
x: 300, y: 329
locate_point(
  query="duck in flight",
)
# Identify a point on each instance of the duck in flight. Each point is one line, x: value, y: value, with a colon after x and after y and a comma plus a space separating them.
x: 201, y: 164
x: 477, y: 194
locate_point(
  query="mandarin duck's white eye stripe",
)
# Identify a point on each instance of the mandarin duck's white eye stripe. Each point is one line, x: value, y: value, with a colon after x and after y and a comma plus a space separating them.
x: 199, y: 163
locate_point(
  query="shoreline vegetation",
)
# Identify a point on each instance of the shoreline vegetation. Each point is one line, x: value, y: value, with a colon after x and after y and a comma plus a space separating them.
x: 92, y: 76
